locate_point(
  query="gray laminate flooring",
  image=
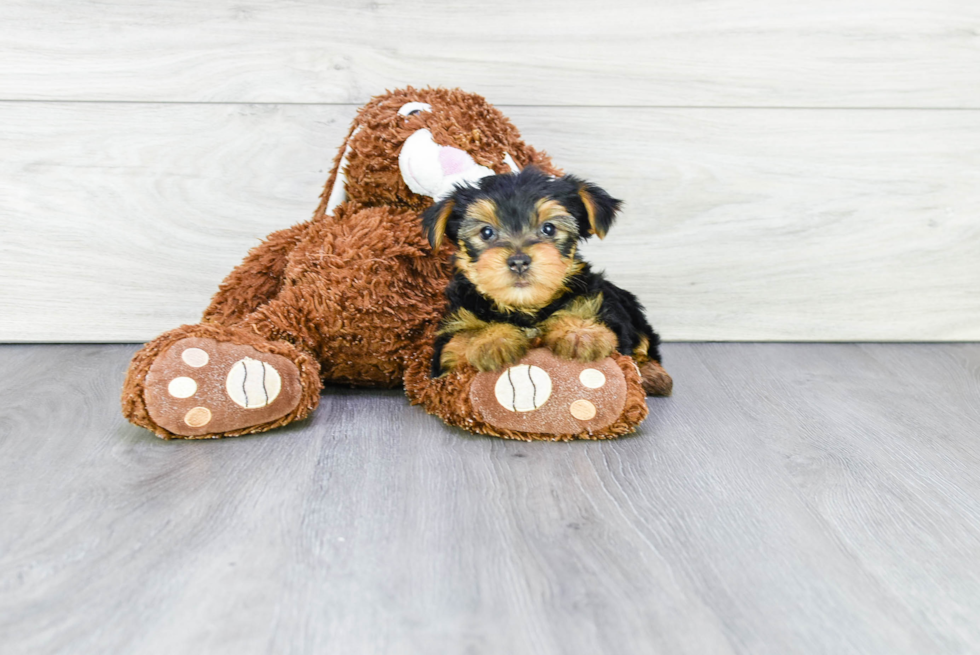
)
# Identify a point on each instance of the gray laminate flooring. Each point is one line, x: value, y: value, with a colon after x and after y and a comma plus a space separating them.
x: 790, y: 498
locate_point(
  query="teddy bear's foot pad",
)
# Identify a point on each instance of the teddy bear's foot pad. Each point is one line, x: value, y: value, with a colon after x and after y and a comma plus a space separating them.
x: 202, y: 386
x: 548, y: 395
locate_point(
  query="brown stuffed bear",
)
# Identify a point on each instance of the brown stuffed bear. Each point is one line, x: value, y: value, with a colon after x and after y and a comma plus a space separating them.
x: 354, y: 296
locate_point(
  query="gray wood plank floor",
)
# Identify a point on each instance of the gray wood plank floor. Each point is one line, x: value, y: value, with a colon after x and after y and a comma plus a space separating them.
x: 790, y: 498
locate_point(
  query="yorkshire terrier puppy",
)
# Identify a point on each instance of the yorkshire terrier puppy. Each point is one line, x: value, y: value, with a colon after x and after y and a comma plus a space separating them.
x: 520, y: 281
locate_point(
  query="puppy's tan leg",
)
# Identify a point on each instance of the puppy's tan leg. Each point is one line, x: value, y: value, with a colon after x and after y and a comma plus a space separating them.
x: 487, y: 349
x: 576, y: 332
x: 454, y: 352
x: 571, y: 336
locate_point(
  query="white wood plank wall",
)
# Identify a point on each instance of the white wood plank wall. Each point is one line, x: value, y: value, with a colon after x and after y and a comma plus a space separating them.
x: 792, y: 171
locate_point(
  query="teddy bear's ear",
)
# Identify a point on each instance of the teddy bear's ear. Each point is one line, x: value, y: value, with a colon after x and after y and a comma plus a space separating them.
x: 434, y: 222
x: 594, y: 209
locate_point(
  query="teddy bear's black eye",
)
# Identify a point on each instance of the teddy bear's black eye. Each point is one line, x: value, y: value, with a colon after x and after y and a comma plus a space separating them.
x: 548, y: 230
x: 487, y: 233
x: 414, y: 108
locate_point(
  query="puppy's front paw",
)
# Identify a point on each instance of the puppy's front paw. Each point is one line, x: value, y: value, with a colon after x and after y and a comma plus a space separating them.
x: 582, y: 340
x: 496, y: 346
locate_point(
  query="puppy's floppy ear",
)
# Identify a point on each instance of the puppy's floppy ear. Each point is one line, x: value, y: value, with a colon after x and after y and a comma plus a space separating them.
x: 594, y: 209
x: 600, y: 208
x: 435, y: 219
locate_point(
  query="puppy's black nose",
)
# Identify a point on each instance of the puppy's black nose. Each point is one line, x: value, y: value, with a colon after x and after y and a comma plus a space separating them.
x: 519, y: 263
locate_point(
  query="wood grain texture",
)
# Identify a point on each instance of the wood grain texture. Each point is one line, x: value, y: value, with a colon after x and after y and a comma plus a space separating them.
x: 789, y: 498
x: 826, y: 53
x: 120, y: 219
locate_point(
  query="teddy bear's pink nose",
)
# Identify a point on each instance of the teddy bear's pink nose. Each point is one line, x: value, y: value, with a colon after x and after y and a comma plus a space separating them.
x: 454, y: 160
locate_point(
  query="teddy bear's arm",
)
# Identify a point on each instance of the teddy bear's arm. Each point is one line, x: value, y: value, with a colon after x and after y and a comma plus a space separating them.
x: 256, y: 280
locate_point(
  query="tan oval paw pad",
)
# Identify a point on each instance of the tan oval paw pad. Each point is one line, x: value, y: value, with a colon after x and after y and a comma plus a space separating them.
x: 197, y: 417
x: 583, y: 410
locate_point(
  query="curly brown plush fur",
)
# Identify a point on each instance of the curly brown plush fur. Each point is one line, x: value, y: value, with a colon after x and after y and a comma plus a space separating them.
x: 354, y: 295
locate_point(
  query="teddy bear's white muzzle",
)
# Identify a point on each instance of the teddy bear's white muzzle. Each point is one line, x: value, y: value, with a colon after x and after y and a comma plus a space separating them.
x: 433, y: 170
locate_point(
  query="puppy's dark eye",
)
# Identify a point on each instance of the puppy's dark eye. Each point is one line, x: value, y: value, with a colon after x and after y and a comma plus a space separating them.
x: 487, y: 233
x: 548, y: 230
x: 414, y: 112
